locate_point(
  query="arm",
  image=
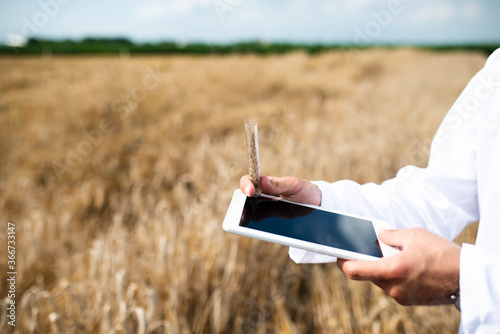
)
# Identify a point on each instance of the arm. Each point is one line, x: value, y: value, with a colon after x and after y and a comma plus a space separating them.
x: 479, y: 265
x: 443, y: 197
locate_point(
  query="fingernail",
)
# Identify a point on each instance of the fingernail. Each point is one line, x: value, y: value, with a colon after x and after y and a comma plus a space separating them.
x: 382, y: 230
x: 247, y: 190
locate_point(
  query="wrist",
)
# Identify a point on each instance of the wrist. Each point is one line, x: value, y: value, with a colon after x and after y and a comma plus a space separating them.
x: 455, y: 298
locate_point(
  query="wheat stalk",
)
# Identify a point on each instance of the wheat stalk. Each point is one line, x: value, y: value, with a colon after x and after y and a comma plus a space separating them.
x: 253, y: 153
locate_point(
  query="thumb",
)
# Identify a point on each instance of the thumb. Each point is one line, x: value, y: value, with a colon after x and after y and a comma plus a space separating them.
x: 279, y: 186
x: 270, y: 185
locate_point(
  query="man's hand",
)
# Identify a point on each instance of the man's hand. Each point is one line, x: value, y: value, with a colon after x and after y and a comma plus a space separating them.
x: 291, y: 188
x: 425, y: 272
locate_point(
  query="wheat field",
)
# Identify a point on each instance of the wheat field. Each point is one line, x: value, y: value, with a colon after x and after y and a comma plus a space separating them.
x: 117, y: 173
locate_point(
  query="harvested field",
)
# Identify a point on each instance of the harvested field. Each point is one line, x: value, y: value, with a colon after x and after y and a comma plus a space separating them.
x: 117, y: 173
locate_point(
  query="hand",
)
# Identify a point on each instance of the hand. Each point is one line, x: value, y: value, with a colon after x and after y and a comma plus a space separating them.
x: 425, y: 272
x: 291, y: 188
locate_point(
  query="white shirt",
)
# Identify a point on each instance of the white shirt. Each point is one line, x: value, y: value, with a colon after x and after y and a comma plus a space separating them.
x: 460, y: 185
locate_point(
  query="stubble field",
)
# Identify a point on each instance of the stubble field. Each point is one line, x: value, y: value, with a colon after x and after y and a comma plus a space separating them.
x: 117, y: 173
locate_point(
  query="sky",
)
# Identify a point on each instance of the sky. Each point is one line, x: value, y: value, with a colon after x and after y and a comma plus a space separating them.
x: 226, y: 21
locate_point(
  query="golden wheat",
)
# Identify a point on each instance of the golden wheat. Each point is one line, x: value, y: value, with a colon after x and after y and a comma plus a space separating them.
x: 118, y: 173
x: 253, y: 153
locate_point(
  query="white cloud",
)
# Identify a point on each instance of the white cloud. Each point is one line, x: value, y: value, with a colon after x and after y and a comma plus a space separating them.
x: 297, y: 5
x: 247, y: 16
x: 435, y: 12
x: 358, y: 4
x: 472, y: 10
x: 175, y: 8
x: 16, y: 40
x: 330, y: 7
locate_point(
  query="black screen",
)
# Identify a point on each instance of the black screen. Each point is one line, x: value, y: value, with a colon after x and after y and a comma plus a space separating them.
x: 317, y: 226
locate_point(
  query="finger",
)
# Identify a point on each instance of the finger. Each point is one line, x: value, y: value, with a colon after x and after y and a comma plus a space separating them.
x: 364, y: 270
x: 268, y: 185
x: 340, y: 263
x: 396, y: 238
x: 246, y: 186
x: 381, y: 283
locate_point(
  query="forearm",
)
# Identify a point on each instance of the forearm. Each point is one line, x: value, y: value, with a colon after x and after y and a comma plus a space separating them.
x: 417, y: 197
x: 404, y: 202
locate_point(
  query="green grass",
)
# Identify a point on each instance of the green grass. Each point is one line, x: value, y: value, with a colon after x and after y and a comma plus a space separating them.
x: 124, y: 46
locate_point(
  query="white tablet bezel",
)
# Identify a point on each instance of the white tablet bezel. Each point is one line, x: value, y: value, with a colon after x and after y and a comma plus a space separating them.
x: 232, y: 224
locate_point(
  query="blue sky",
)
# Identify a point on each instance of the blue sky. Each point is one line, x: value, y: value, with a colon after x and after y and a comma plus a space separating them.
x: 329, y: 21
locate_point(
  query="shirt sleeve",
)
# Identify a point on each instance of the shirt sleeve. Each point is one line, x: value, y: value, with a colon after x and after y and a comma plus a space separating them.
x: 441, y: 198
x: 479, y: 290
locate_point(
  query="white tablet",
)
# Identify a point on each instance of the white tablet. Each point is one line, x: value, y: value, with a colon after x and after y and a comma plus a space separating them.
x: 306, y: 226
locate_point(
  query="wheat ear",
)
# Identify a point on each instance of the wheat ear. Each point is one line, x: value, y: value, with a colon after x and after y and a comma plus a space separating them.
x: 253, y: 154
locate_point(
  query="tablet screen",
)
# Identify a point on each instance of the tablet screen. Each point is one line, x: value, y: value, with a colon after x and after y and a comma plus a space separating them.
x: 308, y: 224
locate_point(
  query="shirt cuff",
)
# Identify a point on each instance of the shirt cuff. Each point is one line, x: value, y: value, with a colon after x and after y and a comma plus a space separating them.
x: 329, y: 198
x: 302, y: 256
